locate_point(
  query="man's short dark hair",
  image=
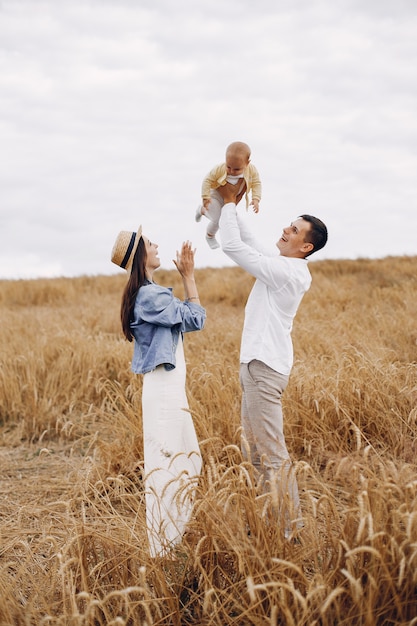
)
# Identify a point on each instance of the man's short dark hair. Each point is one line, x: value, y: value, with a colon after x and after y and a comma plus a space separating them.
x: 317, y: 235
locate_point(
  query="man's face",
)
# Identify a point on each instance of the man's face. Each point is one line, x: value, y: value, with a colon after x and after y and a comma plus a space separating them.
x: 293, y: 239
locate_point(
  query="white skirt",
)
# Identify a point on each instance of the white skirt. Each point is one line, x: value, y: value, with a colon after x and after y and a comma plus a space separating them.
x: 171, y: 452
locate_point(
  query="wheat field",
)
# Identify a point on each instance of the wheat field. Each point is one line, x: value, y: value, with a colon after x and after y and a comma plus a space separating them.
x: 73, y: 545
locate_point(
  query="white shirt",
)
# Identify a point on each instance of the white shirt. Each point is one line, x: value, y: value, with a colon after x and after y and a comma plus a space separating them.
x: 234, y: 179
x: 273, y: 301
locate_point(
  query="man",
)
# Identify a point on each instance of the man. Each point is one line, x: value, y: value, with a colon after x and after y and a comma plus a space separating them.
x: 266, y: 353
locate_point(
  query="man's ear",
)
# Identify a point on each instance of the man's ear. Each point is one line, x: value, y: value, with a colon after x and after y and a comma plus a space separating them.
x: 307, y: 247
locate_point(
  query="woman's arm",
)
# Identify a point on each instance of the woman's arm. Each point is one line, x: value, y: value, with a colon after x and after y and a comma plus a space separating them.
x: 157, y: 305
x: 185, y: 265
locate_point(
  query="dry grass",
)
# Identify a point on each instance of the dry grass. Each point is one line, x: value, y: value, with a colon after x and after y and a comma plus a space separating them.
x: 73, y: 545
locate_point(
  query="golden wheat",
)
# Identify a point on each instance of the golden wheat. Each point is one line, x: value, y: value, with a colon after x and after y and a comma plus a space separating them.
x: 72, y: 521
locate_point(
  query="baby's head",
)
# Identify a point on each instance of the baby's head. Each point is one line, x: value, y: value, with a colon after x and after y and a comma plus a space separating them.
x: 237, y: 158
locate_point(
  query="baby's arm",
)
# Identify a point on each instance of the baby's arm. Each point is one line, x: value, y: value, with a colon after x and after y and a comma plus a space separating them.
x: 256, y: 189
x: 205, y: 188
x: 210, y: 182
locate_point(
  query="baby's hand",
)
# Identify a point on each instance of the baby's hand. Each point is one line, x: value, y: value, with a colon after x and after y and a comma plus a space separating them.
x: 255, y: 204
x: 206, y: 203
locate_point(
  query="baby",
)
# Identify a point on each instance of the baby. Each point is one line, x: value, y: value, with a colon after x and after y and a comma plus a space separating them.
x: 238, y: 170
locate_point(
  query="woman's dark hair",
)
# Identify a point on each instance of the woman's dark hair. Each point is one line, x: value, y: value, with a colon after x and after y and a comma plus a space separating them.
x: 317, y: 234
x: 136, y: 280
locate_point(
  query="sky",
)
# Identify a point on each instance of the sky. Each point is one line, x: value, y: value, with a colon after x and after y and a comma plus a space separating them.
x: 113, y: 111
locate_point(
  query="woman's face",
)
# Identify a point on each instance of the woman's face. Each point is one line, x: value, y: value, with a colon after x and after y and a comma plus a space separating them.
x: 152, y: 259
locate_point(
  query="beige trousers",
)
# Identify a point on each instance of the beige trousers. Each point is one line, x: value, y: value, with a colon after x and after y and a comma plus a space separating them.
x: 263, y: 439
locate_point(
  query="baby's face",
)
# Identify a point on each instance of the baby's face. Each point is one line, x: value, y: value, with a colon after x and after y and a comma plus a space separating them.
x: 235, y: 163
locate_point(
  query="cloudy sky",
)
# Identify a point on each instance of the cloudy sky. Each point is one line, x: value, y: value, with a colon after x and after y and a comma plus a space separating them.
x: 112, y: 111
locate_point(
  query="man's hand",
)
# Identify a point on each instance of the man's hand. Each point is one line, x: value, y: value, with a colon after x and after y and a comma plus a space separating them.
x: 229, y: 193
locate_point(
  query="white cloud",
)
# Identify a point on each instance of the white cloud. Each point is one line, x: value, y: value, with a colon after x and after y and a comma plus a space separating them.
x: 28, y: 266
x: 111, y: 114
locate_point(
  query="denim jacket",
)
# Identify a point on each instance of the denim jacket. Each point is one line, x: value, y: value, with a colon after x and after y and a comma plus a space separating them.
x: 158, y: 319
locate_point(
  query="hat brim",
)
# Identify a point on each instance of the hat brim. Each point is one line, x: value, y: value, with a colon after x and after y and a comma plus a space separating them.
x: 125, y: 248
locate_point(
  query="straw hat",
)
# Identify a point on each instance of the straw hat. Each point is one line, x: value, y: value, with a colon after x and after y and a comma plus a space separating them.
x: 125, y: 247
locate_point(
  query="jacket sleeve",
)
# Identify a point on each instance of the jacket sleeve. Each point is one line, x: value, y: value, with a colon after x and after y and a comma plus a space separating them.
x: 211, y: 181
x: 157, y: 305
x: 256, y: 185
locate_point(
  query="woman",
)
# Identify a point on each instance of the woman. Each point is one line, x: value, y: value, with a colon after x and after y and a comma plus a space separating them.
x: 155, y: 320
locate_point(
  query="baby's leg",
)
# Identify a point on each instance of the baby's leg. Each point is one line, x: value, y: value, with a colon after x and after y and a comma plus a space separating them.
x: 213, y: 213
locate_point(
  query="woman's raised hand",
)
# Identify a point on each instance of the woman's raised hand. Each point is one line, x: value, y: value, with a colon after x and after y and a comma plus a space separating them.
x: 185, y: 259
